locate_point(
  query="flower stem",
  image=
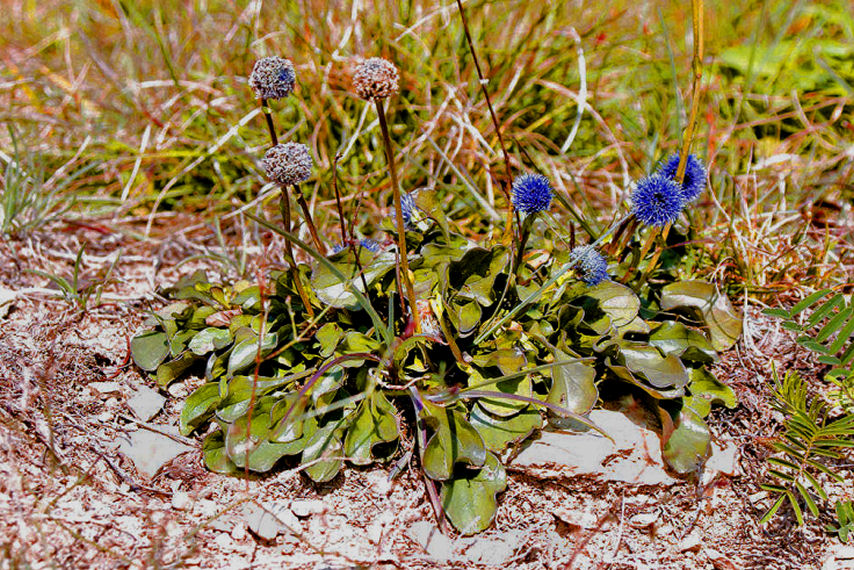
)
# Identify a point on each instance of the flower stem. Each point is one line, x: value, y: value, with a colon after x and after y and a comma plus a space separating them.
x: 483, y: 82
x: 285, y: 206
x: 697, y: 67
x: 688, y: 137
x: 274, y: 139
x: 401, y: 228
x: 270, y: 126
x: 307, y: 213
x: 341, y: 219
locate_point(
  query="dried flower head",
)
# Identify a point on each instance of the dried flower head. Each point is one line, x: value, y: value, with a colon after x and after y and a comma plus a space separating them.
x: 272, y: 78
x: 287, y: 164
x: 532, y: 193
x: 592, y: 267
x: 657, y: 200
x: 375, y: 79
x: 695, y: 175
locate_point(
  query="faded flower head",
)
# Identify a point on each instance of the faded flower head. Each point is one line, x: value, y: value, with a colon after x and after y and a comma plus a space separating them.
x: 287, y: 164
x: 695, y: 175
x: 657, y: 200
x: 272, y: 78
x: 532, y: 193
x: 592, y: 267
x: 375, y: 79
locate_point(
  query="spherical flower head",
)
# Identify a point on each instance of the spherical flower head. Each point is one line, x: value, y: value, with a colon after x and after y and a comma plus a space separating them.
x: 695, y: 175
x: 532, y: 193
x: 371, y: 245
x: 592, y: 267
x: 375, y: 79
x: 272, y: 78
x: 657, y: 200
x: 407, y: 207
x: 287, y: 164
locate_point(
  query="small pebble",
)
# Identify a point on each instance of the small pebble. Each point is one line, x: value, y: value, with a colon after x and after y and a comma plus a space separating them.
x: 180, y: 500
x: 238, y: 533
x: 305, y: 507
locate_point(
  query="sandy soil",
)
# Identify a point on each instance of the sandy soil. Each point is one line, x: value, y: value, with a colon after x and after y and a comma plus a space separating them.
x: 69, y: 498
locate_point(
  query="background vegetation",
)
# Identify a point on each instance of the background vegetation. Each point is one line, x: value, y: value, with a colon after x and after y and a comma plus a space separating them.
x: 141, y: 112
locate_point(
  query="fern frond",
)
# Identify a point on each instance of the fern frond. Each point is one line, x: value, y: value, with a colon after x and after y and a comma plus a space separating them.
x: 810, y: 438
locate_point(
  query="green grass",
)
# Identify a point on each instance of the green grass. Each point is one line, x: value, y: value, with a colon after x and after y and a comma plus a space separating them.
x: 156, y: 96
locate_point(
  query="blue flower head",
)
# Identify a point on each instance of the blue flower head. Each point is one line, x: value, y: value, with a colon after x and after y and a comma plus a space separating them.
x: 695, y: 175
x: 532, y: 193
x: 371, y: 245
x: 657, y: 200
x: 592, y: 267
x: 407, y: 206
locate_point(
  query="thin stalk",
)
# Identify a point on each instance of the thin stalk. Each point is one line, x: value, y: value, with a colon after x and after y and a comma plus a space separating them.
x: 688, y: 136
x: 533, y: 297
x: 697, y: 67
x: 654, y: 261
x: 401, y: 228
x: 307, y: 214
x: 483, y: 82
x: 285, y: 206
x: 341, y: 220
x: 270, y: 126
x: 274, y: 139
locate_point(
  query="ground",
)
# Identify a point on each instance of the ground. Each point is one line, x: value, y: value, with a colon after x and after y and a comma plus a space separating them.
x: 70, y: 496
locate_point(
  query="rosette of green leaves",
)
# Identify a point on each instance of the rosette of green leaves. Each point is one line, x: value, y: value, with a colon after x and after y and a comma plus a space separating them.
x: 345, y: 386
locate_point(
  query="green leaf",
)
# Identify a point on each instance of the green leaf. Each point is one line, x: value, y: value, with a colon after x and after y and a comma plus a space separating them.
x: 774, y: 508
x: 473, y: 276
x: 689, y: 446
x: 607, y: 305
x: 573, y: 385
x: 170, y: 371
x: 262, y: 453
x: 662, y: 372
x: 779, y: 313
x: 508, y: 361
x: 328, y: 336
x: 454, y: 440
x: 149, y: 349
x: 208, y: 340
x: 324, y: 443
x: 291, y: 428
x: 705, y: 385
x: 685, y: 342
x: 375, y: 422
x: 215, y: 456
x: 332, y: 290
x: 470, y: 502
x: 244, y: 353
x: 500, y: 432
x: 199, y: 407
x: 717, y: 312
